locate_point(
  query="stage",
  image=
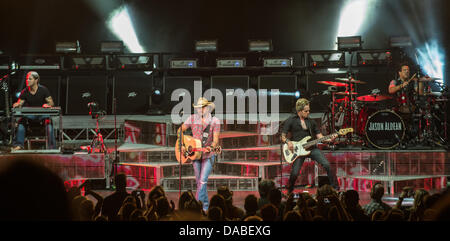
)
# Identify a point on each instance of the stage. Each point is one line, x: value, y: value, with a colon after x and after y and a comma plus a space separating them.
x: 251, y: 152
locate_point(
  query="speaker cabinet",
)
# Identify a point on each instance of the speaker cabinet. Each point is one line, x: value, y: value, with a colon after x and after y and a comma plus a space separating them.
x: 232, y: 83
x: 132, y: 90
x: 172, y: 83
x: 286, y: 84
x: 84, y: 89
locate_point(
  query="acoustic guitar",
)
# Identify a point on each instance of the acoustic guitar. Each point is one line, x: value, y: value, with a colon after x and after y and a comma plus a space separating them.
x: 192, y: 149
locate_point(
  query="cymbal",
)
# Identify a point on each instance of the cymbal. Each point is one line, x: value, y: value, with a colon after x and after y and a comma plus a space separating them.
x: 340, y: 100
x: 350, y: 80
x: 372, y: 98
x: 333, y: 83
x: 437, y: 94
x: 429, y: 79
x: 346, y: 93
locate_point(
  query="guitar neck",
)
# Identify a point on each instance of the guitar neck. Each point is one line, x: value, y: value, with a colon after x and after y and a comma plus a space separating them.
x: 312, y: 143
x: 203, y: 149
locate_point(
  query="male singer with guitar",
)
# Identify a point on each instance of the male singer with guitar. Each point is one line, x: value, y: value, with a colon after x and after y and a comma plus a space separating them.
x: 34, y: 95
x: 301, y: 126
x: 206, y: 129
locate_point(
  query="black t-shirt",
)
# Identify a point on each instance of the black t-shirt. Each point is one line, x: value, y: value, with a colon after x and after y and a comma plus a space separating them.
x: 36, y: 100
x: 409, y: 90
x: 293, y: 125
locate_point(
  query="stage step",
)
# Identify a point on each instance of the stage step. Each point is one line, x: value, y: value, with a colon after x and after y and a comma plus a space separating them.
x: 148, y: 174
x: 235, y: 183
x: 393, y: 184
x: 163, y: 132
x: 37, y: 151
x: 151, y: 153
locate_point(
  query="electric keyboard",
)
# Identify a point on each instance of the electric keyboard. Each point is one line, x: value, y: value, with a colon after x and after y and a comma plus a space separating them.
x: 52, y: 111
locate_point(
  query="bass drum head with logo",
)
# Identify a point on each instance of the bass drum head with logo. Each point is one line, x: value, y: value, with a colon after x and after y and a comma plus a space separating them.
x: 385, y: 129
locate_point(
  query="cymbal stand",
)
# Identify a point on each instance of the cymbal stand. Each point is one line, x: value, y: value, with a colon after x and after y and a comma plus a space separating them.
x: 350, y: 108
x: 333, y: 112
x: 97, y: 140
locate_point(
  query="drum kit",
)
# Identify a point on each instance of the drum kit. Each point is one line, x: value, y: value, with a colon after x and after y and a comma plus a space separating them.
x: 379, y: 122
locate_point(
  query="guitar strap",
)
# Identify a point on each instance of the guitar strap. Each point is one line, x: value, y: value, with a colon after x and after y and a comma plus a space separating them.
x: 309, y: 126
x: 205, y: 135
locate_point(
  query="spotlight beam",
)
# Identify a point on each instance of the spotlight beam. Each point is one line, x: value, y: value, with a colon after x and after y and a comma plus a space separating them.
x: 120, y: 24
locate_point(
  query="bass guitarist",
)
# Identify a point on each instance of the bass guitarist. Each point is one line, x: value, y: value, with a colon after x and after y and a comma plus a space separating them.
x: 205, y: 128
x: 301, y: 126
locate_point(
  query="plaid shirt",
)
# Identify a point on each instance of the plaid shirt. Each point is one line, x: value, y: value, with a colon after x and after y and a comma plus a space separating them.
x: 198, y: 127
x: 375, y: 205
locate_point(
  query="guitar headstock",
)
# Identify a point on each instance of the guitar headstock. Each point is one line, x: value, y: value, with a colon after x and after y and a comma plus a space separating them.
x: 345, y: 131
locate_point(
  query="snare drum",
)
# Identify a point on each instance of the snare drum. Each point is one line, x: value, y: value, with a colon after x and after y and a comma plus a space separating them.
x: 385, y: 129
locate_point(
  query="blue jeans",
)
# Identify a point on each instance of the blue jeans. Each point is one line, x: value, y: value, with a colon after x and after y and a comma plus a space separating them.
x: 20, y: 134
x: 202, y: 169
x: 317, y: 156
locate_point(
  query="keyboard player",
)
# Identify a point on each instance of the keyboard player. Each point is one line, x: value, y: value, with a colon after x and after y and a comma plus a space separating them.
x: 34, y: 95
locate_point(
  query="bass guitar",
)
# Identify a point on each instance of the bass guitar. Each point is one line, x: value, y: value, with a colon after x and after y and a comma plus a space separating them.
x: 301, y: 147
x: 191, y: 149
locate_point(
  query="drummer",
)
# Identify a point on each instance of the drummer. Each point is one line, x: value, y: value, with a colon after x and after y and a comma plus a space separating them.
x: 404, y: 90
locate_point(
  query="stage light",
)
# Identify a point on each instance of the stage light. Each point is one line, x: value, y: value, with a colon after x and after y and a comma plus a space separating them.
x: 156, y: 99
x: 352, y: 17
x: 297, y: 94
x: 35, y: 62
x: 183, y: 63
x: 432, y: 58
x: 68, y: 47
x: 120, y: 24
x: 133, y: 61
x: 260, y: 45
x: 400, y: 41
x: 373, y: 57
x: 206, y: 45
x: 87, y: 62
x: 111, y: 47
x: 351, y: 43
x: 230, y: 62
x: 330, y: 59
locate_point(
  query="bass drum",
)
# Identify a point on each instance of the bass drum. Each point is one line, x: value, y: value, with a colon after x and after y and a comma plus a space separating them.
x: 385, y: 129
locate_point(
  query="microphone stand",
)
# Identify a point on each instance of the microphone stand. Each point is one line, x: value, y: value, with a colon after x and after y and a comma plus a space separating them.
x: 6, y: 134
x: 114, y: 164
x: 281, y: 167
x: 181, y: 145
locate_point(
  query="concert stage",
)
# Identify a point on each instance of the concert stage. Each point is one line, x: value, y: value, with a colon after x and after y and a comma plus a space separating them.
x: 147, y: 156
